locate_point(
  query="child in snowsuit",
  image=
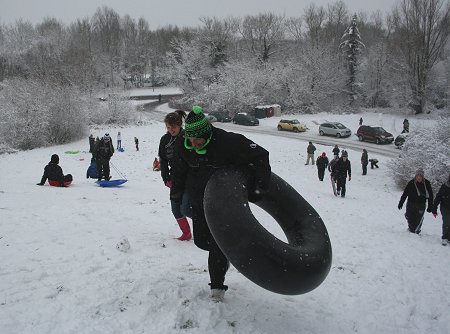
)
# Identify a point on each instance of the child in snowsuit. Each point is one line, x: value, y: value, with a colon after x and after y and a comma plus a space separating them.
x: 373, y: 163
x: 53, y: 172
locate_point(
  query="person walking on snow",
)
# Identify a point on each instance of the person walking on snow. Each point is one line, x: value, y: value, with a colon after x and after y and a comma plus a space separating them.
x: 336, y: 151
x: 204, y: 150
x: 340, y: 170
x: 443, y: 199
x: 419, y: 193
x: 364, y: 161
x: 360, y: 121
x: 136, y: 142
x: 54, y: 173
x: 322, y: 163
x: 119, y: 141
x: 310, y: 152
x: 104, y: 151
x: 179, y: 199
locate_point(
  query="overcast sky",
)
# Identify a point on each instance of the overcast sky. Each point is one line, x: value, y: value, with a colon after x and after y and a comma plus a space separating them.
x: 175, y: 12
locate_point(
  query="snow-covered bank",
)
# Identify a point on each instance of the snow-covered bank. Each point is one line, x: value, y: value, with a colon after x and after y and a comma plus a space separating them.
x: 61, y: 272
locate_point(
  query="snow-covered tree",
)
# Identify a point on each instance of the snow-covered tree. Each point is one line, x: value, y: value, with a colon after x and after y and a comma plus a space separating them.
x: 424, y: 148
x: 351, y: 46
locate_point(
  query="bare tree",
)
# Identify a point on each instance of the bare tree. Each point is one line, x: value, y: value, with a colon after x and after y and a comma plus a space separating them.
x: 263, y: 32
x: 422, y: 28
x: 314, y: 18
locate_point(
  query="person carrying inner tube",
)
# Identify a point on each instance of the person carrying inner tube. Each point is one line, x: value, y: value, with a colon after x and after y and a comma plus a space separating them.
x: 204, y: 150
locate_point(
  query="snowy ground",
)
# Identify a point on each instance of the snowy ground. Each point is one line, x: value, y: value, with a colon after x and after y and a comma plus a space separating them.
x: 60, y: 271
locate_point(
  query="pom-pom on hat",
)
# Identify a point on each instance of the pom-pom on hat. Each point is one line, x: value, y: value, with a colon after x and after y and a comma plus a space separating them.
x: 197, y: 125
x: 344, y: 154
x: 324, y: 154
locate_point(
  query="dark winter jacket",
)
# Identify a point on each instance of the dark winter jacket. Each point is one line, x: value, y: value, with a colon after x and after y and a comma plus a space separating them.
x: 336, y: 151
x: 364, y: 158
x: 331, y: 165
x: 342, y: 168
x: 91, y: 145
x: 442, y: 197
x: 418, y: 193
x: 310, y: 149
x: 53, y: 172
x: 169, y: 164
x: 224, y: 149
x: 104, y: 150
x: 322, y: 162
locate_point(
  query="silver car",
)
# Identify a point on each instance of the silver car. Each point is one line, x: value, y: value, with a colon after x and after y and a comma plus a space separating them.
x: 334, y: 129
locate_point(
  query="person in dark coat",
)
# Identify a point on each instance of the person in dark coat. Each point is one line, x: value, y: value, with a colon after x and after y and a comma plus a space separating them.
x: 405, y: 126
x: 373, y: 163
x: 92, y: 146
x: 336, y: 151
x: 136, y: 143
x: 204, y: 150
x: 310, y: 153
x: 54, y: 173
x: 419, y: 193
x: 340, y: 170
x: 364, y: 161
x: 443, y: 199
x: 169, y: 166
x: 322, y: 163
x: 360, y: 121
x: 104, y: 150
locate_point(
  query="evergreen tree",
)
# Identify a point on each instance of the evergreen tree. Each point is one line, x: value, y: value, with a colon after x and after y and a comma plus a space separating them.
x: 351, y: 46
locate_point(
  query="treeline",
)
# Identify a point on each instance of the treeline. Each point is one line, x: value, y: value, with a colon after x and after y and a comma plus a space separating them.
x: 323, y: 59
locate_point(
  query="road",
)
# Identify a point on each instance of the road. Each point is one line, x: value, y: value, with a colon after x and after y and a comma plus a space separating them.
x: 388, y: 150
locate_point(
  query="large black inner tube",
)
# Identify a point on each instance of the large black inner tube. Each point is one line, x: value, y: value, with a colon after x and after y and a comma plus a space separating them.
x: 292, y: 268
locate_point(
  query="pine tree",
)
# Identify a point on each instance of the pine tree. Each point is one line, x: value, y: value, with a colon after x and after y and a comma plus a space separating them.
x: 351, y: 47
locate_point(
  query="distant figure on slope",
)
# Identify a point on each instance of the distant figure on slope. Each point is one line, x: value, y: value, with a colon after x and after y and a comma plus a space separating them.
x: 119, y: 141
x: 136, y: 142
x: 54, y: 173
x: 104, y: 152
x: 310, y: 152
x: 373, y: 163
x: 322, y: 163
x: 419, y: 192
x: 341, y: 169
x: 364, y: 161
x: 360, y: 121
x: 443, y: 199
x: 170, y: 171
x: 336, y: 151
x: 405, y: 126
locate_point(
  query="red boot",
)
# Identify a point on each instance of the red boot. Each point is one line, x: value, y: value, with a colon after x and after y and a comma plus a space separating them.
x: 184, y: 226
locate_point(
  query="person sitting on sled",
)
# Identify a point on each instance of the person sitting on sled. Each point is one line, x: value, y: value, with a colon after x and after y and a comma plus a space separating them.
x: 54, y: 173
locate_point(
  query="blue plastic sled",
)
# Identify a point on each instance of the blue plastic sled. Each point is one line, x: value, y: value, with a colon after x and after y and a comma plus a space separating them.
x: 110, y: 183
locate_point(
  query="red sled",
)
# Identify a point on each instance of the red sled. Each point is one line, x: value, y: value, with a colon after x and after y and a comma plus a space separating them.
x: 57, y: 184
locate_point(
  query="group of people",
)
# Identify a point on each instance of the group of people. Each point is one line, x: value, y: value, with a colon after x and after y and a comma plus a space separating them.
x: 418, y: 195
x: 188, y: 159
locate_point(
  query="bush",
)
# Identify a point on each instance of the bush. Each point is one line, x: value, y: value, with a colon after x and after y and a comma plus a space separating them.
x: 428, y: 149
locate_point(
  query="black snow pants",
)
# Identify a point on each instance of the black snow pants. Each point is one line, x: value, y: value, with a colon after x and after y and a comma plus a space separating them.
x: 321, y: 172
x: 218, y: 264
x: 103, y: 169
x: 445, y: 223
x: 414, y: 216
x: 364, y: 169
x: 341, y: 181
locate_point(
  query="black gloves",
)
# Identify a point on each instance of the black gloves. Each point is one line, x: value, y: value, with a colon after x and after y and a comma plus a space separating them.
x: 400, y: 206
x: 39, y: 184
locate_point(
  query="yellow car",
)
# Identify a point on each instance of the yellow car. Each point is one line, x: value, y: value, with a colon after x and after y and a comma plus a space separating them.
x: 291, y: 125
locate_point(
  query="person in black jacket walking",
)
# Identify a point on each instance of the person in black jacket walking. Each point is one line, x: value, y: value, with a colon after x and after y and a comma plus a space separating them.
x: 54, y: 173
x: 322, y: 163
x: 204, y: 150
x: 419, y: 192
x: 364, y: 161
x: 179, y: 199
x: 340, y: 171
x: 443, y: 199
x: 104, y: 150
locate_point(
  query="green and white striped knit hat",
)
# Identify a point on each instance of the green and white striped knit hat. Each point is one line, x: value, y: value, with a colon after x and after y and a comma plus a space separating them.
x: 197, y: 125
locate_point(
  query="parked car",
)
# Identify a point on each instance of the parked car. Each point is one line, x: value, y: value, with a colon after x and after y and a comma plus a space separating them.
x: 334, y: 129
x: 374, y: 133
x: 400, y: 139
x: 245, y: 119
x: 220, y: 116
x: 291, y: 125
